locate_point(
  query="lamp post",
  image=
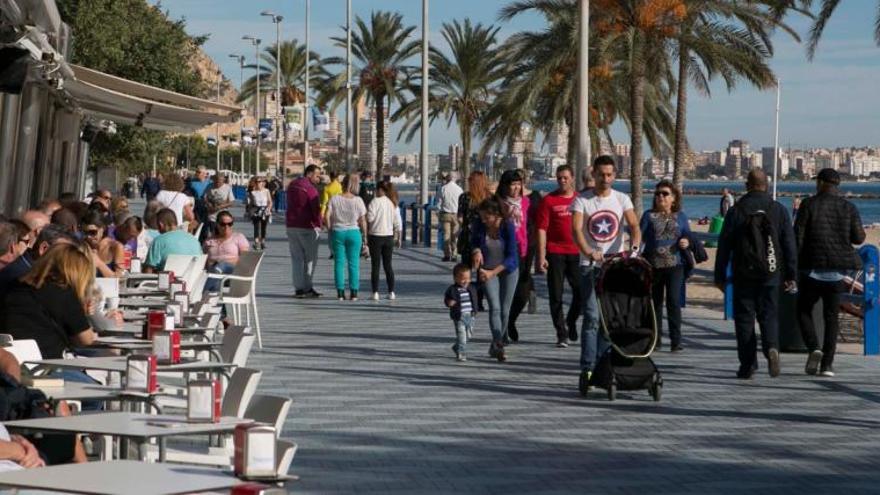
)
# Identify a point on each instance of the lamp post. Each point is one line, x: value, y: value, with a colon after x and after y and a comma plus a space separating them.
x: 278, y: 119
x: 776, y: 140
x: 217, y: 125
x: 423, y: 158
x: 347, y: 84
x: 256, y: 42
x: 583, y: 110
x: 240, y: 59
x: 307, y: 115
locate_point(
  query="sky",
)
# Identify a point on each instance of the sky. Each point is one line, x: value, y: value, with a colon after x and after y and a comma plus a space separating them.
x: 829, y: 102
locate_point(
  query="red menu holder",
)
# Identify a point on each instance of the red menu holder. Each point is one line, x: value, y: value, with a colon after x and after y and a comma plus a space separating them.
x: 155, y: 323
x: 255, y: 454
x: 166, y: 346
x: 203, y: 401
x: 140, y: 374
x: 257, y: 489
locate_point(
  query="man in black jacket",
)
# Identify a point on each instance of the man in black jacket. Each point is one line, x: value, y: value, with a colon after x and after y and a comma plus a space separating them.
x: 827, y: 227
x: 753, y: 297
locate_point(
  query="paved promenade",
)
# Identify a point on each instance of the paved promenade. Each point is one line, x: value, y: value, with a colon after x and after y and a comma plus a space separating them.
x: 381, y: 405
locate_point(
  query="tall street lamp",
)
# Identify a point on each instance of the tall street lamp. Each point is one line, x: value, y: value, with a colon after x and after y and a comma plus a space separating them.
x: 256, y: 42
x: 307, y: 116
x: 278, y: 118
x: 423, y: 159
x: 583, y: 110
x: 240, y: 59
x: 217, y: 126
x: 348, y: 122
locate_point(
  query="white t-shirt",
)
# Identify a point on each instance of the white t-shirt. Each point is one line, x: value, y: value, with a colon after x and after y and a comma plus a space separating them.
x: 383, y: 218
x: 449, y: 195
x: 175, y: 201
x: 603, y: 220
x: 345, y: 212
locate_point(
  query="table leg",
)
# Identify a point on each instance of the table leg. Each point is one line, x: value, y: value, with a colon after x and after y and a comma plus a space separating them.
x: 162, y: 450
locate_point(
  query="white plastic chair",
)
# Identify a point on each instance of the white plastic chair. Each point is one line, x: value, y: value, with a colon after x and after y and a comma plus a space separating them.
x: 269, y: 409
x: 25, y: 350
x: 239, y: 392
x: 242, y: 290
x: 286, y: 452
x: 236, y: 345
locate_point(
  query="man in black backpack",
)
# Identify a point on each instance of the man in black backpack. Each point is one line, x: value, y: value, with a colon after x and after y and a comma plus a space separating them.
x: 758, y: 239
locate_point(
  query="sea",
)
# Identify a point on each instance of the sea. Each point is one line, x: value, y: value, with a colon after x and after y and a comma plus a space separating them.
x: 702, y: 197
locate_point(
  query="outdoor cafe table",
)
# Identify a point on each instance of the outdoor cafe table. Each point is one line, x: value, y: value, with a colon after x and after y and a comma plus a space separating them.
x: 139, y: 427
x: 137, y: 302
x: 115, y: 477
x: 129, y: 345
x: 118, y: 364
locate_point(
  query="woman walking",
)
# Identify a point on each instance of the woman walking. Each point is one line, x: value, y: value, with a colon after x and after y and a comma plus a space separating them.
x: 516, y: 207
x: 468, y: 214
x: 496, y: 259
x: 346, y: 220
x: 260, y: 209
x: 665, y: 231
x: 384, y: 224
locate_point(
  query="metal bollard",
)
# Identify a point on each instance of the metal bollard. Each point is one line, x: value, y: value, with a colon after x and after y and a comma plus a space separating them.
x: 415, y: 223
x: 426, y: 240
x: 402, y: 208
x: 871, y: 265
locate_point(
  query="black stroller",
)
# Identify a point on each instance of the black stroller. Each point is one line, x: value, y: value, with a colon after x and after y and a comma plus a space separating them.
x: 627, y: 322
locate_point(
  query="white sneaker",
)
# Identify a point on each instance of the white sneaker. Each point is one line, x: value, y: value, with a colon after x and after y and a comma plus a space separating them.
x: 391, y: 296
x: 375, y: 296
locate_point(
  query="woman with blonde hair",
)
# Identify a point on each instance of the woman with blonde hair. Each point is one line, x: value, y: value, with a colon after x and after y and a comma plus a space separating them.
x: 51, y: 303
x: 346, y: 220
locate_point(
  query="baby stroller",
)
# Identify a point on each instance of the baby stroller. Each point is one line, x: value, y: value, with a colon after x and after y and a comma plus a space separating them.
x: 627, y: 322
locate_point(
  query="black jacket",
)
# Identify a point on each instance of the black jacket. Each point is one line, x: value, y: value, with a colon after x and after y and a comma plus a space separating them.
x: 736, y: 218
x: 826, y: 228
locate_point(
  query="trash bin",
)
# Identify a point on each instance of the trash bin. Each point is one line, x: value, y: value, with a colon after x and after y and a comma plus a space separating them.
x: 715, y: 228
x: 790, y: 339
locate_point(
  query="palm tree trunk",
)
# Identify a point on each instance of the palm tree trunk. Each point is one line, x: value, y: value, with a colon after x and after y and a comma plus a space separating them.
x: 571, y: 152
x: 380, y: 136
x: 465, y: 128
x: 681, y: 144
x: 607, y: 132
x: 637, y: 117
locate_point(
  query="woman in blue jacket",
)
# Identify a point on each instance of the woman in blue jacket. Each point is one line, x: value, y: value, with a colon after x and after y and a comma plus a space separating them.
x: 665, y: 232
x: 496, y: 258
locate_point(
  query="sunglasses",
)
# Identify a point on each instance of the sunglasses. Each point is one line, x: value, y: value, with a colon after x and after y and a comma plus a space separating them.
x: 662, y: 193
x: 26, y: 240
x: 108, y: 198
x: 91, y: 233
x: 226, y: 224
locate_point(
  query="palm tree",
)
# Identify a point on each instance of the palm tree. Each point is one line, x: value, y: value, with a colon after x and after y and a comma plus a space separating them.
x: 293, y: 76
x: 381, y: 51
x: 461, y: 86
x: 721, y: 38
x: 826, y: 9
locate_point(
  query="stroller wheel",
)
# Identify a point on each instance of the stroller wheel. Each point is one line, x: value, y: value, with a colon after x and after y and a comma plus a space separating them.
x: 612, y: 391
x: 656, y: 388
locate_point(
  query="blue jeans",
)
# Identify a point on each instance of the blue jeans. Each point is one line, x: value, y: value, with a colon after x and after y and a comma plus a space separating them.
x: 499, y: 292
x: 463, y: 326
x: 347, y: 254
x: 79, y: 376
x: 223, y: 267
x: 593, y: 344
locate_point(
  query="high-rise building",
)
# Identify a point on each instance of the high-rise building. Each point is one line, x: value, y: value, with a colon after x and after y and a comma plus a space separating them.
x: 737, y: 162
x: 523, y: 144
x: 455, y: 156
x: 557, y: 140
x: 331, y: 135
x: 367, y: 151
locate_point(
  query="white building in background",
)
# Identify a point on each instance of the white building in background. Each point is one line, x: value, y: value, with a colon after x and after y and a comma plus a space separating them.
x: 861, y: 164
x: 557, y: 140
x: 367, y: 150
x: 455, y: 157
x: 331, y: 135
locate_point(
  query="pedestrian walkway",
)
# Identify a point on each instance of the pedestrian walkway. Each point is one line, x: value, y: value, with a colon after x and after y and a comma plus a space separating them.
x: 381, y: 405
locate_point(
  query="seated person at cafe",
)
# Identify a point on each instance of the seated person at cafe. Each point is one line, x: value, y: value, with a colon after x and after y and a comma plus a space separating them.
x: 51, y: 302
x: 170, y: 241
x: 49, y: 236
x: 8, y: 243
x: 109, y: 255
x: 224, y: 248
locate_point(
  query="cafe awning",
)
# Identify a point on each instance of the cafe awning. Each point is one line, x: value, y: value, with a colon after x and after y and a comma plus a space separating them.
x: 109, y: 97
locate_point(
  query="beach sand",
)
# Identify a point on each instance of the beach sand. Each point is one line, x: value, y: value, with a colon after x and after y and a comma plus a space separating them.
x: 702, y: 293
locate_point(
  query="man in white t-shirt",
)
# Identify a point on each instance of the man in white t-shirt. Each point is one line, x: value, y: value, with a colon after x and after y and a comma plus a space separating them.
x: 448, y: 205
x: 597, y: 227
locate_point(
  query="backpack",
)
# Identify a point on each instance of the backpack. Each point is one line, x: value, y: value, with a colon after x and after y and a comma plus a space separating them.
x: 756, y: 255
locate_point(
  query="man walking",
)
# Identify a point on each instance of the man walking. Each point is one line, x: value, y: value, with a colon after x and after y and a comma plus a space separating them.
x: 826, y: 228
x: 448, y: 206
x: 303, y: 228
x: 727, y: 201
x: 758, y: 239
x: 151, y: 187
x: 558, y: 255
x: 597, y: 228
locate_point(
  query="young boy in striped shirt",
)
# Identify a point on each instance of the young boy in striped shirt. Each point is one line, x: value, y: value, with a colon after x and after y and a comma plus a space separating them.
x: 461, y: 299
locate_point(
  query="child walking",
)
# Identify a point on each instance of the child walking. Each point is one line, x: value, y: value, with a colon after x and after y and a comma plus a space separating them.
x: 461, y: 299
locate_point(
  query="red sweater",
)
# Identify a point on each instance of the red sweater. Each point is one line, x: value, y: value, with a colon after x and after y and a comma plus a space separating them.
x: 554, y: 218
x: 303, y: 205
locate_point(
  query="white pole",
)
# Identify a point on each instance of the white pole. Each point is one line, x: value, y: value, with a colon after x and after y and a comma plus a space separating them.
x: 258, y: 113
x: 423, y: 158
x: 776, y: 141
x: 347, y: 84
x: 278, y: 117
x: 217, y: 126
x: 307, y: 116
x: 241, y: 120
x: 583, y: 110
